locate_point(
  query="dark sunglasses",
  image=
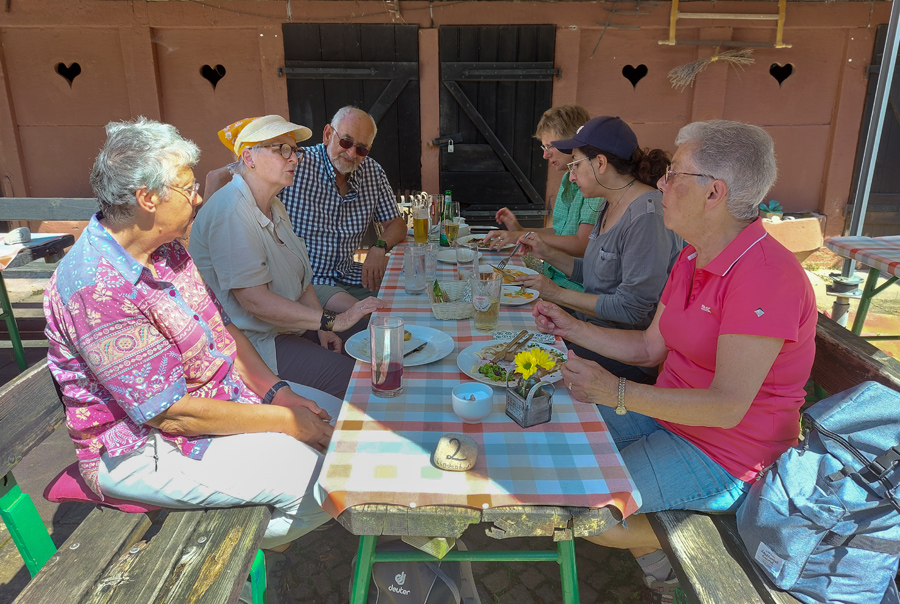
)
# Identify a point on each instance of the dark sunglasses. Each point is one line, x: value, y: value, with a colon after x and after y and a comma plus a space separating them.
x: 347, y: 143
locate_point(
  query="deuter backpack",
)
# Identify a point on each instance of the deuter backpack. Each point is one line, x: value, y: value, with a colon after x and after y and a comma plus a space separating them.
x: 824, y: 521
x: 421, y: 582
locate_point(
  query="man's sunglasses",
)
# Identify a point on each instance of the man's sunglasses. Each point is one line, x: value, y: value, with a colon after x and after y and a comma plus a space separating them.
x: 346, y: 143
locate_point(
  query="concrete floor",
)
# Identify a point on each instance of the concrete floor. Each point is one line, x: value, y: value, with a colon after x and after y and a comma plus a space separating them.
x: 319, y: 563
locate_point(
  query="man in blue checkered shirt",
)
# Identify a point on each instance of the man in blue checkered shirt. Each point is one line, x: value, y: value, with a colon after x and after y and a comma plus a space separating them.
x: 337, y: 192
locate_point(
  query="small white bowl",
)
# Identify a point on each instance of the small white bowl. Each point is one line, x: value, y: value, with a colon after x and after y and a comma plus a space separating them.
x: 469, y: 410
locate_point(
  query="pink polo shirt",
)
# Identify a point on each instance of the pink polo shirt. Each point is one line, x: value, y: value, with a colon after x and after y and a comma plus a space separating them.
x: 755, y: 286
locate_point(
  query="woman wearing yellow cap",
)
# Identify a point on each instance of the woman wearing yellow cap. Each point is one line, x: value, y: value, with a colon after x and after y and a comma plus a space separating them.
x: 243, y: 243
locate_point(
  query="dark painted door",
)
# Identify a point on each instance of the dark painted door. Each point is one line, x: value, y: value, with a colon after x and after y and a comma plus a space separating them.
x: 496, y: 83
x: 373, y: 67
x: 883, y: 209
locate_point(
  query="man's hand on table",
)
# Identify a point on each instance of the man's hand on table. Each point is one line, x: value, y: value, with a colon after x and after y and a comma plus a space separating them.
x: 373, y: 268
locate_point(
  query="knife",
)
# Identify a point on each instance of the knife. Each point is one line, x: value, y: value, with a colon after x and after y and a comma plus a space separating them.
x: 416, y: 349
x: 509, y: 346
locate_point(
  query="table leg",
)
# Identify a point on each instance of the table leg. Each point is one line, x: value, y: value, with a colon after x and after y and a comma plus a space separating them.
x: 567, y: 571
x: 870, y: 290
x: 362, y: 574
x: 11, y: 327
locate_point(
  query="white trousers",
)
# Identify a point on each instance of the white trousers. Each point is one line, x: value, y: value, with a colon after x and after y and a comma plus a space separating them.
x: 266, y: 468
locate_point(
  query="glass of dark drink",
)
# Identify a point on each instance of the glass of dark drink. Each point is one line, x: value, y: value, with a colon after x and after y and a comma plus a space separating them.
x: 386, y: 339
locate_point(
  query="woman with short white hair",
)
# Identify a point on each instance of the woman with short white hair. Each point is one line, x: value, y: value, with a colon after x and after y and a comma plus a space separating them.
x: 735, y: 330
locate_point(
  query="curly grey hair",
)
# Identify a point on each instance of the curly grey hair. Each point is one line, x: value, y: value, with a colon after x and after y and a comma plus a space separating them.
x: 740, y: 154
x: 142, y: 153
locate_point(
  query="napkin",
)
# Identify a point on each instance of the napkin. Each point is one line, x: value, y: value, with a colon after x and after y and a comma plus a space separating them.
x: 411, y: 344
x: 543, y: 338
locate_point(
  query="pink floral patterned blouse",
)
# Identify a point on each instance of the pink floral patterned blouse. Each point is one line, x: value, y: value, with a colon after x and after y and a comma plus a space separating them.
x: 124, y: 346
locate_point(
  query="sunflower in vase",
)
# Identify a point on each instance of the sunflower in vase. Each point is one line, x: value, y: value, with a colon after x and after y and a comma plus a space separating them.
x: 531, y: 367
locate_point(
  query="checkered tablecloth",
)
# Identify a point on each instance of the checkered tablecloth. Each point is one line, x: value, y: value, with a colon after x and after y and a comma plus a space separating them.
x: 381, y: 449
x: 882, y: 253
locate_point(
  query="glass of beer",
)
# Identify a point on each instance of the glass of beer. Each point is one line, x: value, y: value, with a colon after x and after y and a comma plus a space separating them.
x: 420, y: 221
x: 451, y: 223
x: 486, y: 299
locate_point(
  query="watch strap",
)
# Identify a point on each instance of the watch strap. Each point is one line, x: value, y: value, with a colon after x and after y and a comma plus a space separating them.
x: 267, y: 399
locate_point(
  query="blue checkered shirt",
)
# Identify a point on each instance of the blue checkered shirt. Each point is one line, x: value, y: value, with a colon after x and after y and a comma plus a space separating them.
x: 332, y: 226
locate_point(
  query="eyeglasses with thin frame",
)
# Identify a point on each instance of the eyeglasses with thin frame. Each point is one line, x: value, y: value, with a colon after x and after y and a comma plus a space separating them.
x: 346, y: 143
x: 548, y: 148
x: 571, y: 164
x: 670, y: 173
x: 286, y: 150
x: 189, y: 191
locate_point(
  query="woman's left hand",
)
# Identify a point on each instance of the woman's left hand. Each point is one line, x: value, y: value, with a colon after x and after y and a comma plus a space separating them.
x: 330, y: 340
x: 589, y: 382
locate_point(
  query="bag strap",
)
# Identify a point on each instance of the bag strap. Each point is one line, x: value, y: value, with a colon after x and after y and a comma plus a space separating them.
x: 866, y: 542
x: 874, y: 471
x: 451, y: 584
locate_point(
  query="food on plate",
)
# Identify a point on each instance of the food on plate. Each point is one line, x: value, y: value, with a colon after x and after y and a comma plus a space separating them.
x: 497, y: 372
x: 406, y: 335
x: 510, y: 274
x: 520, y: 293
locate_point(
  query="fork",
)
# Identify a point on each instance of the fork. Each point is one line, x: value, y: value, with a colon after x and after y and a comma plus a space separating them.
x: 502, y: 264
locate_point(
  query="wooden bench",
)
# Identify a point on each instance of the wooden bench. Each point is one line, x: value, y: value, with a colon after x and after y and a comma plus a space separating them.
x: 196, y: 556
x: 709, y: 558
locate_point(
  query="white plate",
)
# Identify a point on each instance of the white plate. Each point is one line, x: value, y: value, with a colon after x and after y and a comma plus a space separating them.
x: 438, y: 345
x: 469, y: 360
x: 508, y: 300
x: 476, y: 237
x: 449, y: 256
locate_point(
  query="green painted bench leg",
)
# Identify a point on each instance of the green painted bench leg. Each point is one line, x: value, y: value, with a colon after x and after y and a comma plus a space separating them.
x: 567, y: 571
x: 258, y: 578
x: 25, y: 525
x: 11, y: 327
x: 362, y: 574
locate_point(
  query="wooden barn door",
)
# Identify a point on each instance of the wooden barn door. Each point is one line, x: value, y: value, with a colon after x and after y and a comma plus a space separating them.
x: 496, y: 83
x: 883, y: 209
x: 375, y: 68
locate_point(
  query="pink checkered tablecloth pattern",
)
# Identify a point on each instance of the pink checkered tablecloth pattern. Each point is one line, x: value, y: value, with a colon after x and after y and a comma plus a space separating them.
x: 882, y: 253
x: 381, y: 448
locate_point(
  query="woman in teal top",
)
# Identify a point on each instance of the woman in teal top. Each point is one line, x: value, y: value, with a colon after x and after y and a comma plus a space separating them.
x: 573, y: 215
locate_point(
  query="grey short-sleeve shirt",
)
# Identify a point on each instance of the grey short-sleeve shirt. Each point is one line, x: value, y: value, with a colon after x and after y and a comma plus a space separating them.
x: 235, y: 245
x: 628, y: 265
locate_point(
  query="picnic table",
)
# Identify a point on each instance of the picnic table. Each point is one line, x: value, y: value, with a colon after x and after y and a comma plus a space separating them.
x: 561, y: 479
x: 881, y: 255
x: 42, y: 245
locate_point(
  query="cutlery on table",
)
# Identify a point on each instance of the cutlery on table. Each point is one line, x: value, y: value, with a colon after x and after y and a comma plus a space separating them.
x: 416, y: 349
x: 502, y: 271
x: 512, y: 343
x: 505, y: 261
x: 510, y: 355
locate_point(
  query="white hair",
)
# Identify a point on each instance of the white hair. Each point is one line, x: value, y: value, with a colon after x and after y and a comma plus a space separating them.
x: 740, y: 154
x: 142, y: 153
x: 351, y: 110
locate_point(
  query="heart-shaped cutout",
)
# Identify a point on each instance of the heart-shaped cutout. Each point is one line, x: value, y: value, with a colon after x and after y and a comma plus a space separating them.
x: 634, y: 74
x: 69, y: 73
x: 213, y: 74
x: 781, y: 72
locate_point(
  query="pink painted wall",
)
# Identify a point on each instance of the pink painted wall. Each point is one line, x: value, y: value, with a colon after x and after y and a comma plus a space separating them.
x: 144, y: 58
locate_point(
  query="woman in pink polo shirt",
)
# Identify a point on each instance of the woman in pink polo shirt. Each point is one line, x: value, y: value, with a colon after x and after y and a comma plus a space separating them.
x: 735, y: 329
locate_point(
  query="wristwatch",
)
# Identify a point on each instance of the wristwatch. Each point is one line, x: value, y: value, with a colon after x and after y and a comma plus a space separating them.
x: 271, y: 393
x: 382, y: 244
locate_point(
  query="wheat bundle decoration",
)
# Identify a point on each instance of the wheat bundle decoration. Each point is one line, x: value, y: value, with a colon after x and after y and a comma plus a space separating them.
x: 683, y: 76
